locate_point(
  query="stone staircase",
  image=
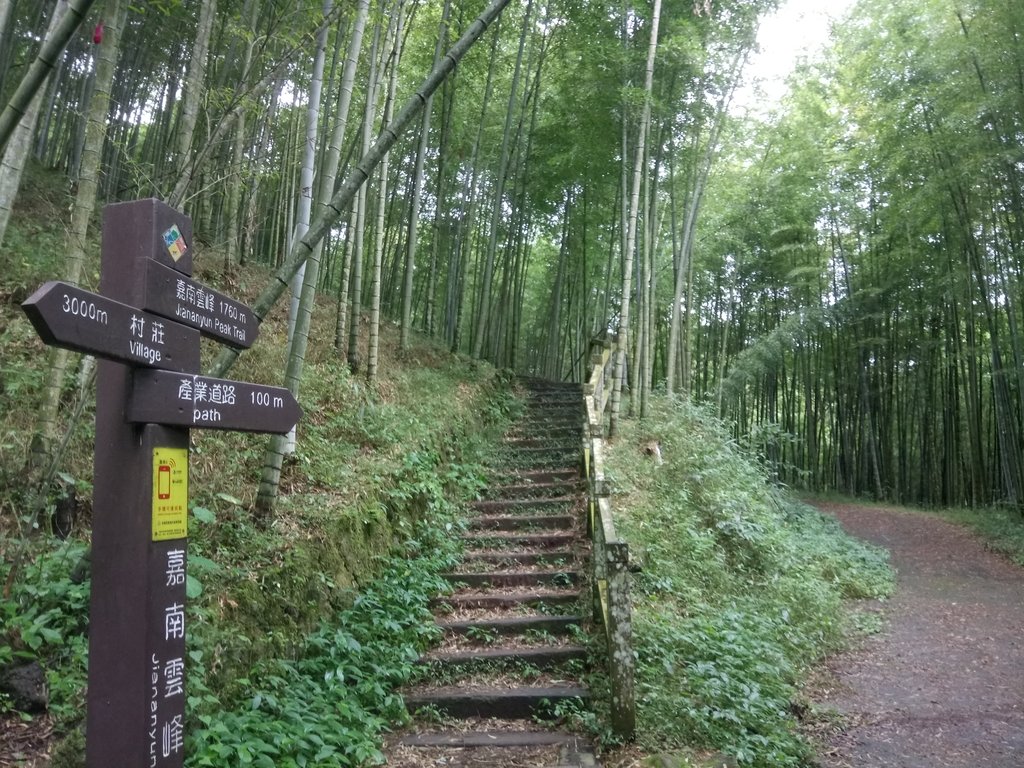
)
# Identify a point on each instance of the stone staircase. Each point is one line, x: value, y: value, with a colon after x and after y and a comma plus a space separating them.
x: 513, y: 653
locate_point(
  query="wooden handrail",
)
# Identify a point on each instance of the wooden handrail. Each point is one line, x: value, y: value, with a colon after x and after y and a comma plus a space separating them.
x: 611, y: 601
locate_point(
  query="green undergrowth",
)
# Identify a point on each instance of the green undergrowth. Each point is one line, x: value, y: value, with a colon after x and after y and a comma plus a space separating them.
x: 328, y: 706
x: 1002, y: 529
x: 740, y: 588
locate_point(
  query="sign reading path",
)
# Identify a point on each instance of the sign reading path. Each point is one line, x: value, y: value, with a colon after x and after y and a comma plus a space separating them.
x: 145, y: 325
x: 200, y: 401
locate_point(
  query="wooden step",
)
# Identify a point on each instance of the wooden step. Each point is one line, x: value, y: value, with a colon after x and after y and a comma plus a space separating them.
x: 548, y: 475
x: 554, y: 464
x: 513, y: 704
x: 536, y: 490
x: 529, y: 599
x: 496, y: 739
x: 513, y: 625
x: 520, y: 558
x: 495, y: 579
x: 541, y: 657
x: 541, y: 422
x: 525, y: 442
x: 520, y: 539
x: 567, y: 432
x: 538, y: 451
x: 521, y: 522
x: 491, y: 506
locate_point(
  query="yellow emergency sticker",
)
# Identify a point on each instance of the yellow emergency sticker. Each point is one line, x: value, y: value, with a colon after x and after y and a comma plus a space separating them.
x: 170, y: 493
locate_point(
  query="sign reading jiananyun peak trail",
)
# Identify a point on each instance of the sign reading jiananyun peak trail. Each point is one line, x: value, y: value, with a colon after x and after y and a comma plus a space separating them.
x: 173, y: 295
x: 145, y: 326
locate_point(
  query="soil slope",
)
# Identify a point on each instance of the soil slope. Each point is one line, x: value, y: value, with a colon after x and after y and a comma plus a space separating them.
x: 943, y: 684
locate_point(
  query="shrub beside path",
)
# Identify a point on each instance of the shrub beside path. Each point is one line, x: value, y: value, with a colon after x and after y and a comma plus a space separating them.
x: 942, y: 686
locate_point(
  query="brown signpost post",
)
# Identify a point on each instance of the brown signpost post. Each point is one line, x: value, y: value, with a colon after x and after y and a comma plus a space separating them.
x: 145, y: 325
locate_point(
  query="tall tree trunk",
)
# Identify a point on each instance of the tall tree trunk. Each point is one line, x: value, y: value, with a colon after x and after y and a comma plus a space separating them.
x: 341, y: 321
x: 417, y: 192
x: 195, y: 81
x: 550, y: 363
x: 484, y: 310
x: 442, y: 207
x: 373, y: 350
x: 302, y: 299
x: 696, y: 198
x: 6, y: 36
x: 16, y: 153
x: 81, y: 214
x: 622, y: 343
x: 460, y: 252
x: 52, y: 48
x: 234, y: 202
x: 369, y: 115
x: 333, y: 161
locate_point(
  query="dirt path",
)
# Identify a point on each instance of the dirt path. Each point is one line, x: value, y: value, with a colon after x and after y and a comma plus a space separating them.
x: 943, y: 685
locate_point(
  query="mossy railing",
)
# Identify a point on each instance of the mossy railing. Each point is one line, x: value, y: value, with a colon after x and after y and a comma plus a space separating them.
x: 610, y: 554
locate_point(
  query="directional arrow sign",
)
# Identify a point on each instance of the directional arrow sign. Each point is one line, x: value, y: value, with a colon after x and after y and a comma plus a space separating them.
x: 188, y: 400
x: 70, y: 317
x: 172, y: 294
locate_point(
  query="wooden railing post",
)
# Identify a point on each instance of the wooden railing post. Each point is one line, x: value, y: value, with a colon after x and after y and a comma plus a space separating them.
x: 599, y: 583
x: 621, y: 662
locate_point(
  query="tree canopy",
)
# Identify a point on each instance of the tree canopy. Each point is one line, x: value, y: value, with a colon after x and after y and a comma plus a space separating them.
x: 842, y: 280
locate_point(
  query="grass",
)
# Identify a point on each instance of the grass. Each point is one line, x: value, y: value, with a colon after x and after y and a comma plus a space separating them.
x: 740, y: 589
x: 1001, y: 528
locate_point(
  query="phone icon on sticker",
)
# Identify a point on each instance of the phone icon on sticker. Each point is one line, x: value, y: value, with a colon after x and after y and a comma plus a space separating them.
x: 163, y: 482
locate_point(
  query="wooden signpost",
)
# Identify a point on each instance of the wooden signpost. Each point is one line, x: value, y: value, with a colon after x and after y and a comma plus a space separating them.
x: 145, y: 325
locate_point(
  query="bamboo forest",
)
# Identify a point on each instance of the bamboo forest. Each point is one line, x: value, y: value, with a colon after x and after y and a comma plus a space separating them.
x: 828, y: 281
x: 842, y: 280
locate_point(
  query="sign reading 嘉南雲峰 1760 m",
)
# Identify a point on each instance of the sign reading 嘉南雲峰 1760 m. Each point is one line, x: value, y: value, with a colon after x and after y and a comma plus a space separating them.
x: 173, y: 295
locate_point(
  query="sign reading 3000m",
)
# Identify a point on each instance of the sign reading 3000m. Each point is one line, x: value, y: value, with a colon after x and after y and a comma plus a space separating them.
x: 71, y: 317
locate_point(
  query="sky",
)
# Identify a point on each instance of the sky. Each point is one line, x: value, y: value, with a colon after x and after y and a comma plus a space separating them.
x: 798, y: 28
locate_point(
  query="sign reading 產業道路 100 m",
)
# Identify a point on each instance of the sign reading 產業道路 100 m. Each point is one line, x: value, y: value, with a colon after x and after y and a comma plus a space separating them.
x: 187, y: 400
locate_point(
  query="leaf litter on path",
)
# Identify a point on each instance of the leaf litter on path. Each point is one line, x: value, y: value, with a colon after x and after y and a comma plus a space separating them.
x: 942, y: 685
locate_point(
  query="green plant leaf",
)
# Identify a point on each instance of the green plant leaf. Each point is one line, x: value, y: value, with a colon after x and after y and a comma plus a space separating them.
x: 203, y: 515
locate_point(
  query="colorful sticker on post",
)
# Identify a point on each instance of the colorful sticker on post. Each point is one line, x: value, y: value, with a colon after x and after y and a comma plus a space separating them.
x: 175, y: 243
x: 170, y: 493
